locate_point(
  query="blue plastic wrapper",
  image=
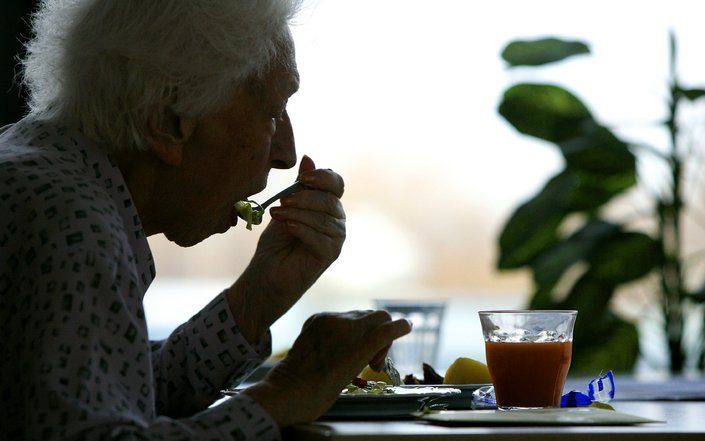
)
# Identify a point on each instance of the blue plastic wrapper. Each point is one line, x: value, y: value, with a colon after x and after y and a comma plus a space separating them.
x: 600, y: 390
x: 483, y: 398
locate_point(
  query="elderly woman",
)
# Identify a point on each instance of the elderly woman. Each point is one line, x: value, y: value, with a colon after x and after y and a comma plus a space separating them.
x: 156, y: 117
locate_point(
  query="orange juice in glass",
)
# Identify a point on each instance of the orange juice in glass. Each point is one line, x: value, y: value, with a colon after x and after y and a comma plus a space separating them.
x: 528, y: 355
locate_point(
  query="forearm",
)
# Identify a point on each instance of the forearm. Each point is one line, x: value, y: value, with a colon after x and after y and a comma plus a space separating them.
x: 201, y: 357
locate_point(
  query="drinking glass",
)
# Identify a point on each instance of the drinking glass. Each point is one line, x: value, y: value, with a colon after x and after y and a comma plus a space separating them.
x: 528, y: 355
x: 421, y: 345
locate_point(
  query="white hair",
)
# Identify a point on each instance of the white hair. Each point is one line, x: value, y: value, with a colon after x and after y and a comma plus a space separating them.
x: 106, y: 65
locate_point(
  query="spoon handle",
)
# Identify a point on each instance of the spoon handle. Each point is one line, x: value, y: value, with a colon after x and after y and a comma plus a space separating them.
x: 294, y: 188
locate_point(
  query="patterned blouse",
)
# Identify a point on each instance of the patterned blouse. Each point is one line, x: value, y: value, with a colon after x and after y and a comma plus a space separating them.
x: 76, y: 361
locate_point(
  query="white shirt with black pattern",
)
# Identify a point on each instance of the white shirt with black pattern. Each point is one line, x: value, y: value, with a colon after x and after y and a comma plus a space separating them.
x: 76, y: 361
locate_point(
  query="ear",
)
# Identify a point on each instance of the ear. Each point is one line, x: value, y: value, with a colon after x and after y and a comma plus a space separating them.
x: 167, y: 133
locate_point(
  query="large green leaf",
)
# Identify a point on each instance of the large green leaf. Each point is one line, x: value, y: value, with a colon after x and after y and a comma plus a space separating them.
x: 598, y: 151
x: 590, y: 191
x: 692, y: 94
x: 603, y: 343
x: 545, y: 111
x: 626, y: 257
x: 543, y: 298
x: 552, y: 264
x: 697, y: 296
x: 589, y: 295
x: 521, y: 242
x: 543, y: 51
x: 532, y: 227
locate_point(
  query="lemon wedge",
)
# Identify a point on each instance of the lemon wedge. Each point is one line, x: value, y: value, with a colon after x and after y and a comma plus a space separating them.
x: 467, y: 371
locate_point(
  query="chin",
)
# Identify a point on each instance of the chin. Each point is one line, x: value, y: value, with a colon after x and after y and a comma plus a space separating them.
x: 184, y: 241
x: 187, y: 238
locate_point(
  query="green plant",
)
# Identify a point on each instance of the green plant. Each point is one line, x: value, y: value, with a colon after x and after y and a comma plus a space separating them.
x: 600, y: 255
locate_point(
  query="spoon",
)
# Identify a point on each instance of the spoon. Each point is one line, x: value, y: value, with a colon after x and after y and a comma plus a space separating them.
x: 254, y: 214
x: 288, y: 191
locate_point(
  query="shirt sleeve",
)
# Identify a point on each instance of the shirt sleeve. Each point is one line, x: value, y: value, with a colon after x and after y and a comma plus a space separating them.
x: 240, y: 418
x: 201, y: 357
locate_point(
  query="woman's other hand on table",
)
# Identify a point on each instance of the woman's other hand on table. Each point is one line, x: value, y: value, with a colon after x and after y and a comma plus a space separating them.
x: 331, y: 350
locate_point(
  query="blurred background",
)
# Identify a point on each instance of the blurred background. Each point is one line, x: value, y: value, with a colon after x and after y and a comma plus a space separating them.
x: 400, y: 97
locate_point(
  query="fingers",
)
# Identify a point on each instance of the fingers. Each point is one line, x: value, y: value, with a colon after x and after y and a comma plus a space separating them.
x: 306, y: 165
x: 373, y: 318
x: 384, y: 334
x: 322, y: 223
x: 316, y: 201
x: 325, y: 248
x: 323, y: 179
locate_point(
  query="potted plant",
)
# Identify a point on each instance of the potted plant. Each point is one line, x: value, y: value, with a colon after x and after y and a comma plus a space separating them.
x: 578, y: 256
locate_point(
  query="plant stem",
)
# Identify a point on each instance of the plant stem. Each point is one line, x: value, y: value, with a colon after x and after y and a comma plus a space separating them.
x: 670, y: 236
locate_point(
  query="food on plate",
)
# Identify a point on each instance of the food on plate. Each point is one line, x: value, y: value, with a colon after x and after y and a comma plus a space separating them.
x: 461, y: 371
x: 410, y: 380
x: 430, y: 376
x: 371, y: 375
x: 360, y: 386
x: 467, y: 371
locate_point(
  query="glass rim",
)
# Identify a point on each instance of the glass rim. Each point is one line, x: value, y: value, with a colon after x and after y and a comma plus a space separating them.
x: 529, y: 311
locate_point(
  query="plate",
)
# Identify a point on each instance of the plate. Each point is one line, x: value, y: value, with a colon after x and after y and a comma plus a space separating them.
x: 407, y: 400
x: 401, y: 404
x: 572, y: 416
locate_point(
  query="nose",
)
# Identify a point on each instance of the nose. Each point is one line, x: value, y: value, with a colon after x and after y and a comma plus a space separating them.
x: 283, y: 150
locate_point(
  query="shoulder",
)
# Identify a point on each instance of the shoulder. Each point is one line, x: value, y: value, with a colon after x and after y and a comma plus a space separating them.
x: 50, y: 194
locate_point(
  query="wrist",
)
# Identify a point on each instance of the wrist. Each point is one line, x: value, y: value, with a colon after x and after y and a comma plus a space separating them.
x: 247, y: 311
x: 277, y: 403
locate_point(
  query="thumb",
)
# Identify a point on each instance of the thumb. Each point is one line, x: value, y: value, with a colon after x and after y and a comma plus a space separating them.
x: 306, y: 165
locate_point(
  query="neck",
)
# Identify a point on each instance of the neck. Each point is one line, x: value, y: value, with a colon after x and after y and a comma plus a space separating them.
x: 140, y: 171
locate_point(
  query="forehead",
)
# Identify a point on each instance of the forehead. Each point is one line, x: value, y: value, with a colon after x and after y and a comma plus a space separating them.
x: 281, y: 77
x: 284, y: 78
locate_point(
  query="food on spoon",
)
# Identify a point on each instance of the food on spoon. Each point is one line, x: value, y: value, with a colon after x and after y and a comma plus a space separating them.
x: 467, y: 371
x: 371, y: 375
x: 250, y: 212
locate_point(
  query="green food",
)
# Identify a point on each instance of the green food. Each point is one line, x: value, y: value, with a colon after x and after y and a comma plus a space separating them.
x: 372, y: 387
x: 250, y: 212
